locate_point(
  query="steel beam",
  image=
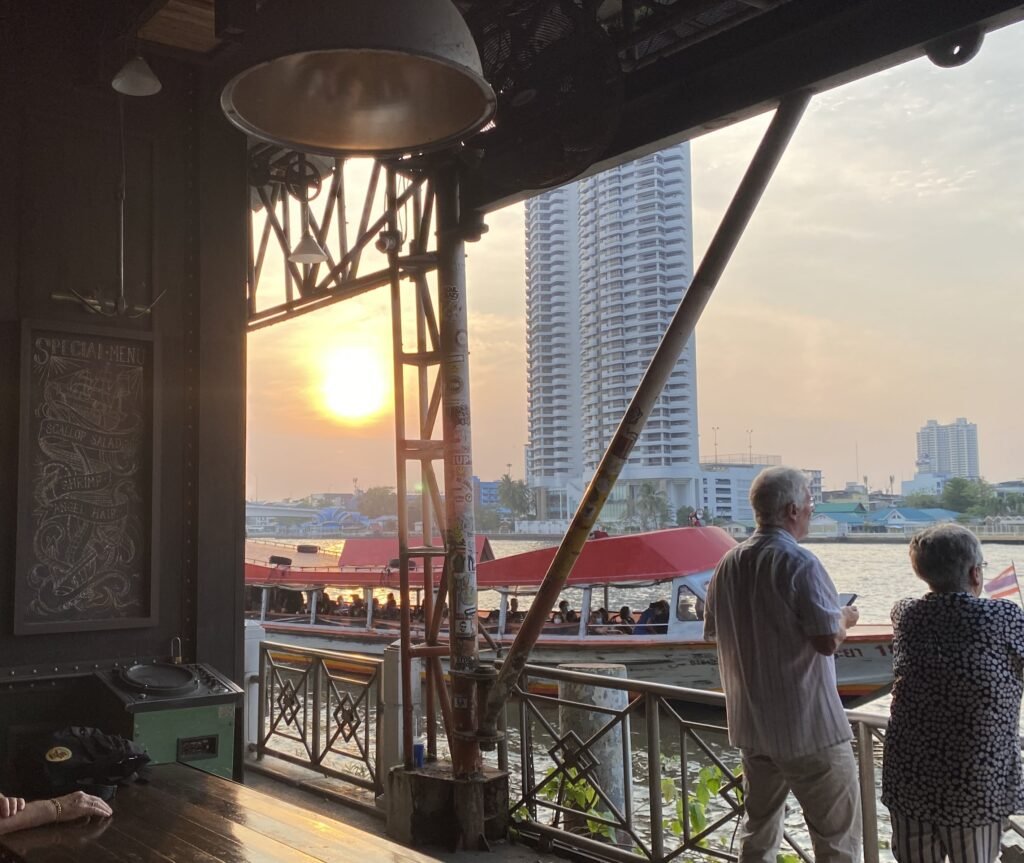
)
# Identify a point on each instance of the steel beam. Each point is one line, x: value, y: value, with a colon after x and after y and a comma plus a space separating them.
x: 748, y: 69
x: 679, y: 332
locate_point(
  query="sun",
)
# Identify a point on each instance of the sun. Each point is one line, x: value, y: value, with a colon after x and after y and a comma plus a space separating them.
x: 354, y: 386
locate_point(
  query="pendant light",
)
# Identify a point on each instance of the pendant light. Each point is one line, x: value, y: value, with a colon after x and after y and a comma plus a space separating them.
x: 135, y: 78
x: 360, y: 77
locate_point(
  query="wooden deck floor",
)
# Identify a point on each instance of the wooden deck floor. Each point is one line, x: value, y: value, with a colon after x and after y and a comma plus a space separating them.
x: 184, y: 815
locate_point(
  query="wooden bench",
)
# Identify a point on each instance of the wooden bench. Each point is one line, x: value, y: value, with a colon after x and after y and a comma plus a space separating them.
x: 187, y: 816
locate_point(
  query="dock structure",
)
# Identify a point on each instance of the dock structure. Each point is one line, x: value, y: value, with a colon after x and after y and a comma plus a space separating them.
x: 172, y: 185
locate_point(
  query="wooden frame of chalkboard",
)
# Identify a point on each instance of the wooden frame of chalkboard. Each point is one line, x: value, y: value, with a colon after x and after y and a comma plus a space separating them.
x: 88, y: 489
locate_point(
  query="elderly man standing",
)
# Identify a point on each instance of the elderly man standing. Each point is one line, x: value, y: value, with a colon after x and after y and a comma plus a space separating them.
x: 952, y: 769
x: 775, y: 614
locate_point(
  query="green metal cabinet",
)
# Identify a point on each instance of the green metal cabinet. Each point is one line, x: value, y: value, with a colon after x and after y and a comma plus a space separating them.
x: 202, y: 737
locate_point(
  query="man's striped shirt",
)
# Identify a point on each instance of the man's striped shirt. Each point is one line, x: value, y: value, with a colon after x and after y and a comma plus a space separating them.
x: 768, y: 597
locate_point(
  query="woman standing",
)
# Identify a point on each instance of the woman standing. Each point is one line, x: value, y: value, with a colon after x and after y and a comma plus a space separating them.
x: 952, y: 769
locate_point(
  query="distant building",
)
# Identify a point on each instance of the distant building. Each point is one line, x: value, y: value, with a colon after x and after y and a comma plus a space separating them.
x: 833, y: 524
x: 925, y: 483
x: 948, y: 449
x: 814, y: 475
x: 883, y: 500
x: 831, y: 507
x: 906, y: 519
x: 1011, y: 487
x: 725, y: 484
x: 607, y: 260
x: 852, y: 519
x: 853, y: 492
x: 485, y: 492
x: 343, y: 499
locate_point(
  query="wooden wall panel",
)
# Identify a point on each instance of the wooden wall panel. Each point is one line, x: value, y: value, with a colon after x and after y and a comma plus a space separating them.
x: 185, y: 236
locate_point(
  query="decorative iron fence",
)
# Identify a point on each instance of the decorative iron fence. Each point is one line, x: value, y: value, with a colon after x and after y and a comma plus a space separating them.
x: 319, y: 709
x: 670, y: 785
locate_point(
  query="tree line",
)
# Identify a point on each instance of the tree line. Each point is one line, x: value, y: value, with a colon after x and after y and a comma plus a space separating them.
x: 972, y: 497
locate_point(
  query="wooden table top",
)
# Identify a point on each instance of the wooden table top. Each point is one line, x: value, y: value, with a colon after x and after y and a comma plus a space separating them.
x: 185, y: 815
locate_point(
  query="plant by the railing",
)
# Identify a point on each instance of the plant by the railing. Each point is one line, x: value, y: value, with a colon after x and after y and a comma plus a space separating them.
x: 694, y: 808
x: 576, y: 792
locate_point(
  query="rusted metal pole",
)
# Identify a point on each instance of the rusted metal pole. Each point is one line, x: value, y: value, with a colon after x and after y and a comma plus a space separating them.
x: 679, y: 331
x: 405, y: 636
x: 460, y: 528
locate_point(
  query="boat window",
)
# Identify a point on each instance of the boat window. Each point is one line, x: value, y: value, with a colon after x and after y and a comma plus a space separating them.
x: 689, y: 606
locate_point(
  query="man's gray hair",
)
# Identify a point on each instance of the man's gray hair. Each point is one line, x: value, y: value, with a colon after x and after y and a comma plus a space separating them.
x: 943, y: 555
x: 773, y: 490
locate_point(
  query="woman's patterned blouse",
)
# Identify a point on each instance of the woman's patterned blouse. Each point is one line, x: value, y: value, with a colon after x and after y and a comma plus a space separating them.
x: 952, y: 754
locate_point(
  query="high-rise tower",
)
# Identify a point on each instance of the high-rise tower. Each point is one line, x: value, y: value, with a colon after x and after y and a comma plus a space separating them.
x: 948, y: 449
x: 608, y: 258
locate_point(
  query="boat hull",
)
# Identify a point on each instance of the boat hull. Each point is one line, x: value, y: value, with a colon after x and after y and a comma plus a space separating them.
x: 863, y: 662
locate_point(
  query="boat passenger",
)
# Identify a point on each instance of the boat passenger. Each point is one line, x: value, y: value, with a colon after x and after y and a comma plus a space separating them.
x: 513, y: 610
x: 645, y: 625
x: 626, y: 621
x: 391, y: 607
x: 688, y: 608
x: 598, y: 623
x: 951, y: 776
x: 565, y: 614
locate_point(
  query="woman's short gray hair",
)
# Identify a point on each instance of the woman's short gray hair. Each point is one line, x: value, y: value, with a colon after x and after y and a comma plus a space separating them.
x: 943, y: 555
x: 773, y: 490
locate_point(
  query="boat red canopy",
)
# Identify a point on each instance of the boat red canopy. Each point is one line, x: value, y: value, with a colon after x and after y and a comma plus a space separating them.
x: 363, y: 561
x: 642, y: 557
x: 379, y: 551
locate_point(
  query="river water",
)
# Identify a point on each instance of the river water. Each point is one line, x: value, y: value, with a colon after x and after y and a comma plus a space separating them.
x: 879, y: 573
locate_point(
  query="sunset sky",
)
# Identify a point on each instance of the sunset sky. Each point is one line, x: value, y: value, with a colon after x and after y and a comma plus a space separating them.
x: 878, y: 286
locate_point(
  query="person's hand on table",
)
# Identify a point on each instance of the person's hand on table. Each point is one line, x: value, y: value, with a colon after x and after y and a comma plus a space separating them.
x: 78, y: 804
x: 70, y: 807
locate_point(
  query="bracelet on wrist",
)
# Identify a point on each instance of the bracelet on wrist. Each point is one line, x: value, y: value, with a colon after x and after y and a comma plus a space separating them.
x: 57, y: 809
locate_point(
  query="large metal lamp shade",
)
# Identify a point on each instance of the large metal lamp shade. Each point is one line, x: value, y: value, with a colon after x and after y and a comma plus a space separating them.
x: 360, y: 77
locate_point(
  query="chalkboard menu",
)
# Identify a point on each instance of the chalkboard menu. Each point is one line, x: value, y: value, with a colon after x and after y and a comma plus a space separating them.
x: 86, y: 527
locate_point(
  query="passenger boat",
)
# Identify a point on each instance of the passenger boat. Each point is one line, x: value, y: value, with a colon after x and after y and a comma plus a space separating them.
x: 664, y: 641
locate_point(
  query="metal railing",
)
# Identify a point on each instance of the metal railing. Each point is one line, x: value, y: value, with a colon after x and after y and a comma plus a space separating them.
x: 319, y: 709
x: 682, y: 780
x: 683, y: 786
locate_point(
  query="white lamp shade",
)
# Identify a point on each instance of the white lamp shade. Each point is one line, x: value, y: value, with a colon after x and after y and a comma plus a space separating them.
x: 360, y: 77
x: 308, y: 251
x: 135, y: 78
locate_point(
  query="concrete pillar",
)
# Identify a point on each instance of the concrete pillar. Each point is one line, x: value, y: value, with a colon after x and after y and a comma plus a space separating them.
x: 254, y: 634
x: 390, y: 718
x: 613, y: 773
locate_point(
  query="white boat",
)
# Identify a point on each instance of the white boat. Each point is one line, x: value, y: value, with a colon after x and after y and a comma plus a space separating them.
x: 677, y: 564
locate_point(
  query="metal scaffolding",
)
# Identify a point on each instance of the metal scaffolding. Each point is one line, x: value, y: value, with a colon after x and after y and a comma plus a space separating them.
x: 411, y: 217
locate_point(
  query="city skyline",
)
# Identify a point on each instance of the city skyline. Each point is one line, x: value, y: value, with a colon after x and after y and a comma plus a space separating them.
x: 877, y: 286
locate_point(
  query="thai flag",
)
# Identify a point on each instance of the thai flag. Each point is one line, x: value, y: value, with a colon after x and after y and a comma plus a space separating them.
x: 1003, y: 585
